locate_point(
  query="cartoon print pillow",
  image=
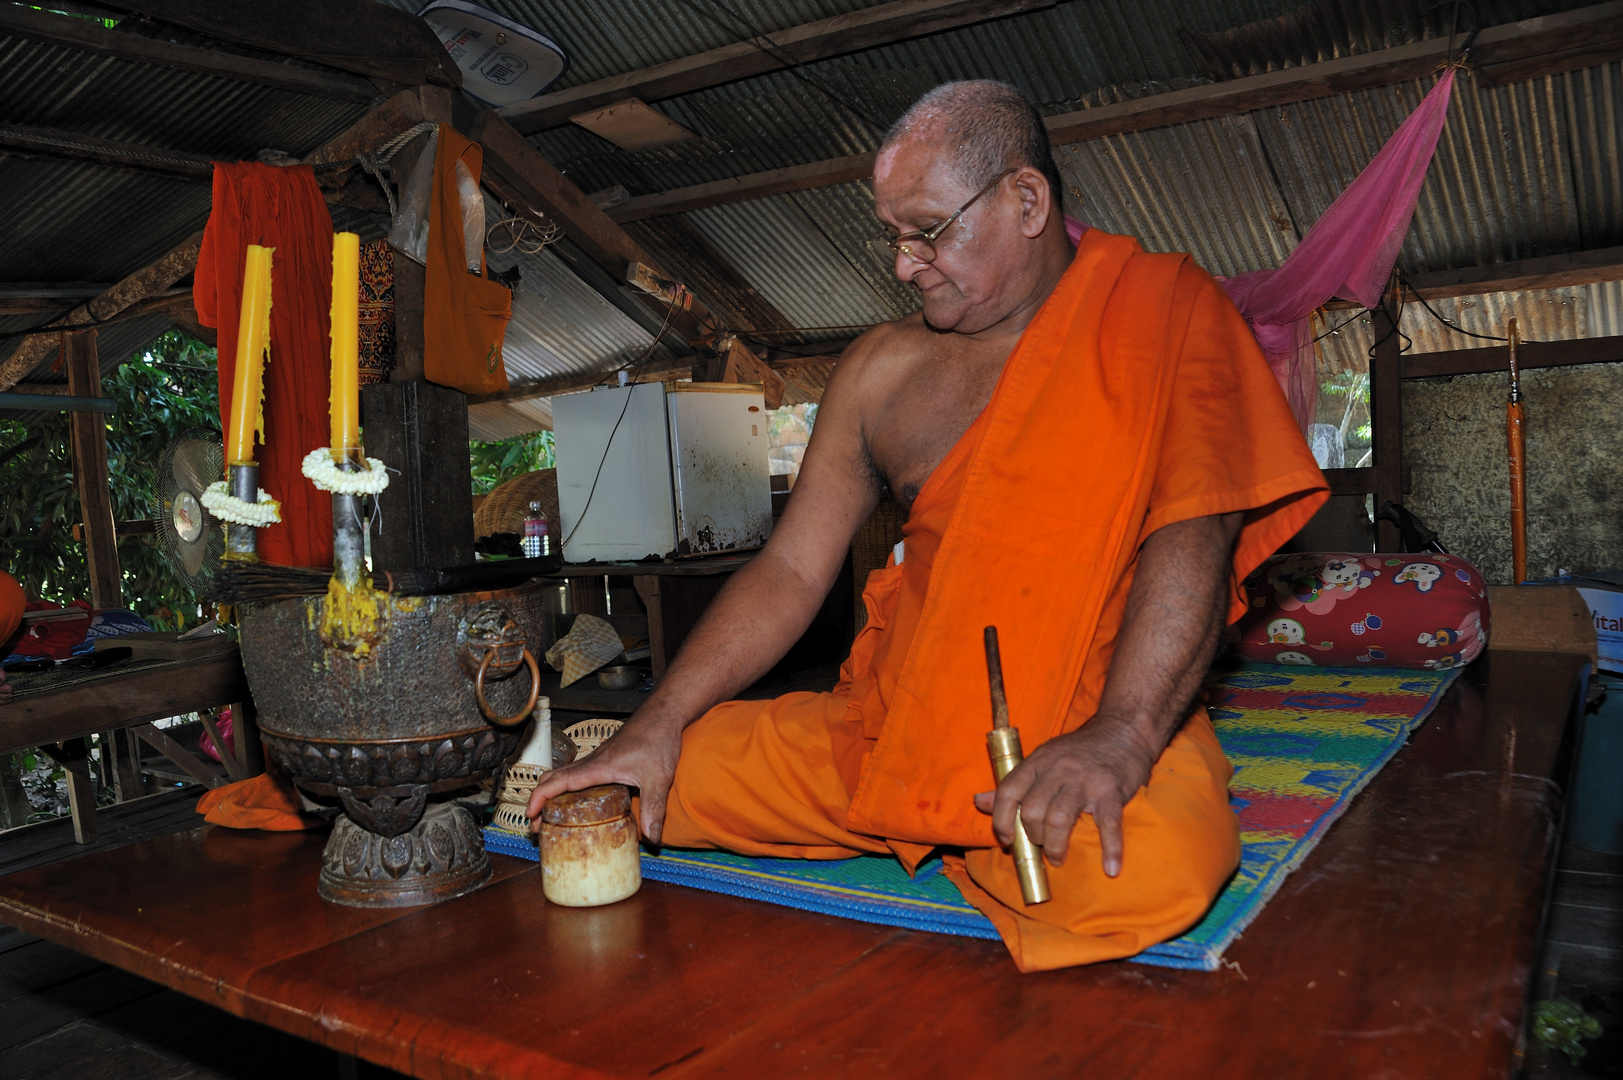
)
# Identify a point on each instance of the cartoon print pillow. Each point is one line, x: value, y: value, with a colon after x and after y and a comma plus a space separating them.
x: 1345, y: 609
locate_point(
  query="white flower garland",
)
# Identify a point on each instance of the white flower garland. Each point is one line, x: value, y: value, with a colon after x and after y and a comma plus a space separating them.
x: 325, y: 474
x: 218, y: 500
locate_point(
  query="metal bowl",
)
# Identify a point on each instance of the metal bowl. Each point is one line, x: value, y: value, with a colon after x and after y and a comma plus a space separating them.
x: 623, y: 677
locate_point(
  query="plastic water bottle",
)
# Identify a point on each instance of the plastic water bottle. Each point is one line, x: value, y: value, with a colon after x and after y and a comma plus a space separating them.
x: 535, y: 543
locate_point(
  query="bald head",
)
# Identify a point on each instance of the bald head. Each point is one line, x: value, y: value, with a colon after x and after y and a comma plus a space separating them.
x: 985, y: 127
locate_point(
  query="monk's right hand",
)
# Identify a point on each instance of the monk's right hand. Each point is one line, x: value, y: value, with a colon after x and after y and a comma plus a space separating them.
x: 641, y: 755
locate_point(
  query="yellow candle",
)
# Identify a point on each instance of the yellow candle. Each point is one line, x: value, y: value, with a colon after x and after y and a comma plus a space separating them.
x: 346, y: 316
x: 253, y: 338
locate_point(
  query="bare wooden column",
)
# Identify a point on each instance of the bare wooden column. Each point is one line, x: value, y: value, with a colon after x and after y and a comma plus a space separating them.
x: 89, y: 434
x: 1386, y: 414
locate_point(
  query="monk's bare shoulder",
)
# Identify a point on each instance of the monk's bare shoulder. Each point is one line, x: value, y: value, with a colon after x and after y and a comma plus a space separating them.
x: 879, y: 362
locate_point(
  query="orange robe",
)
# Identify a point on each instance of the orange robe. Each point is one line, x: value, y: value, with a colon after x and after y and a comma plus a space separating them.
x: 1137, y: 398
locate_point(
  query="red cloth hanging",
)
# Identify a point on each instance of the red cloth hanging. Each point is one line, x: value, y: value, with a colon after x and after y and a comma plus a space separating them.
x: 278, y: 208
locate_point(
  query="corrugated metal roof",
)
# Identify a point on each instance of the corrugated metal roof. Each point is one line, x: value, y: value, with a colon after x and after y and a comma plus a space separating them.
x: 816, y: 286
x: 1563, y: 314
x: 1141, y: 184
x: 79, y: 221
x: 1521, y: 171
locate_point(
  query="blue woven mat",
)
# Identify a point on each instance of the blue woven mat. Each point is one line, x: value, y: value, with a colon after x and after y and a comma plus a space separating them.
x: 1303, y: 742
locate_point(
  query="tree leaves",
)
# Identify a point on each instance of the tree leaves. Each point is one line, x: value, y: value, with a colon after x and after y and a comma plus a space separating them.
x: 492, y: 463
x: 170, y: 389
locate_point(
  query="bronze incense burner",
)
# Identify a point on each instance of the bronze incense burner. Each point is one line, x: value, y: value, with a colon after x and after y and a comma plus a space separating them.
x: 392, y: 721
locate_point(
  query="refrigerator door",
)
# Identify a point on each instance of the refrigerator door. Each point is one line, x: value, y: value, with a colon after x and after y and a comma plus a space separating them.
x: 719, y: 457
x: 630, y: 513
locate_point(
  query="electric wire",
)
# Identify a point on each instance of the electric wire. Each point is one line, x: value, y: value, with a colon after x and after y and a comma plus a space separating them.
x: 609, y: 445
x: 795, y: 68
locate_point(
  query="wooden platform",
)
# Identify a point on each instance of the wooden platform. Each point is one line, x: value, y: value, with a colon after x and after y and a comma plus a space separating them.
x: 1403, y: 946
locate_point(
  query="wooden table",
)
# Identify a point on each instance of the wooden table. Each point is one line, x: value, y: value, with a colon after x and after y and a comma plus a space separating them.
x: 130, y: 695
x: 1401, y: 948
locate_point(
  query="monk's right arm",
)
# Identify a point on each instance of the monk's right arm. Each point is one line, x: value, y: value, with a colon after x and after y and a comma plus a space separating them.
x: 755, y: 619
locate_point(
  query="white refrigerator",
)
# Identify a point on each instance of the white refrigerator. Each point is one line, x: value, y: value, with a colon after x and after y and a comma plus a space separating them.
x: 664, y: 470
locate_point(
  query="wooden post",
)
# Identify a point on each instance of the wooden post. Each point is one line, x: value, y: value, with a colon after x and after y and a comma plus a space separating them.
x: 426, y: 517
x: 74, y: 757
x: 89, y: 434
x: 1386, y: 416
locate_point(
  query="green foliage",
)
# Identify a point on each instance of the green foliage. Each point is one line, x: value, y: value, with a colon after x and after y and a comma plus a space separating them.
x: 493, y: 463
x: 160, y: 395
x: 1560, y: 1024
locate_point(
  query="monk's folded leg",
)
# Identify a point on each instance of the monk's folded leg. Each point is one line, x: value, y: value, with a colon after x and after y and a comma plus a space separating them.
x: 1180, y: 845
x: 769, y: 778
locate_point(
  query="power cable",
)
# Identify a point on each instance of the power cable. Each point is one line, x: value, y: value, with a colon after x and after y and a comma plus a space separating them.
x: 796, y: 69
x: 609, y: 445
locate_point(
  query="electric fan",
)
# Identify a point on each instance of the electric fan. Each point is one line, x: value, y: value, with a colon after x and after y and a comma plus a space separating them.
x: 192, y: 539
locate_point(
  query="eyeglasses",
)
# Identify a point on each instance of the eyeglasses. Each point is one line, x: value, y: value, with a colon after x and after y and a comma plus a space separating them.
x: 920, y: 246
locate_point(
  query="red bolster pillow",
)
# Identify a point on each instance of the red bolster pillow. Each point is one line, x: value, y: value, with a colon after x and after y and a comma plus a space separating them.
x: 1350, y: 609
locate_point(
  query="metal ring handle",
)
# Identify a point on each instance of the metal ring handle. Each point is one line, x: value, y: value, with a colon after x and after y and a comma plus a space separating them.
x: 529, y: 706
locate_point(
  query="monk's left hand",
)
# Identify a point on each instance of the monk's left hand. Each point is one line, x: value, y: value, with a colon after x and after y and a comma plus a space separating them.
x: 1095, y: 770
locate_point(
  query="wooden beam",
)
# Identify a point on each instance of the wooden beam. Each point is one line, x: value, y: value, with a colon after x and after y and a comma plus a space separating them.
x: 178, y: 754
x: 89, y: 438
x: 656, y: 371
x: 362, y: 36
x: 154, y: 278
x: 83, y: 35
x: 535, y: 182
x: 742, y: 188
x: 1496, y: 358
x: 744, y: 366
x: 900, y: 20
x: 1529, y: 49
x: 1548, y: 272
x: 50, y: 142
x: 392, y: 116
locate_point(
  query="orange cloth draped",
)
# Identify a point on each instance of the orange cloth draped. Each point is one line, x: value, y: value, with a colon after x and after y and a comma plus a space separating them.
x: 1139, y: 385
x: 265, y: 802
x: 464, y: 315
x: 278, y: 208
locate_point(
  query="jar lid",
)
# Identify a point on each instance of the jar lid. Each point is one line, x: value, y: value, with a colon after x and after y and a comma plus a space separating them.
x: 589, y: 806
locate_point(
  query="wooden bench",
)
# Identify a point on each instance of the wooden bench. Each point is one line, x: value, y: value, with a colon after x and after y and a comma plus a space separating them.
x: 61, y: 712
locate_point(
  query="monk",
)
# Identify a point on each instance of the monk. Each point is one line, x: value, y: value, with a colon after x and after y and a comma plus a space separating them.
x: 1093, y: 454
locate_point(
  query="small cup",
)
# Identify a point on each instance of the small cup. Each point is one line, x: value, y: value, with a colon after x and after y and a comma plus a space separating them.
x: 589, y: 852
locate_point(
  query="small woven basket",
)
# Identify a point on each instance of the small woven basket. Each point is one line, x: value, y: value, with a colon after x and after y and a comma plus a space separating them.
x: 588, y: 735
x: 505, y: 508
x: 521, y: 778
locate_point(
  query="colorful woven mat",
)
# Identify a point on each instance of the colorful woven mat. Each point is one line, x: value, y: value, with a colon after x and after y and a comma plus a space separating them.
x: 1303, y: 742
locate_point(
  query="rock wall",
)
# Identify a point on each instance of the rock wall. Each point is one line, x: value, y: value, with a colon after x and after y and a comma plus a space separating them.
x: 1454, y: 442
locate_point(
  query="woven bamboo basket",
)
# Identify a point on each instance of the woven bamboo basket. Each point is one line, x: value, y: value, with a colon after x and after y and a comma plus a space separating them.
x: 514, y: 796
x: 588, y: 735
x: 504, y: 509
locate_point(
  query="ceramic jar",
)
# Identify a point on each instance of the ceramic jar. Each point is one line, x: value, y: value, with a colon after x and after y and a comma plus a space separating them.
x: 589, y: 851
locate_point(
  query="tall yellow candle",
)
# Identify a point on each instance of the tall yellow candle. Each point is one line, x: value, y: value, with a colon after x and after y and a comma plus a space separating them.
x: 253, y: 338
x: 346, y: 316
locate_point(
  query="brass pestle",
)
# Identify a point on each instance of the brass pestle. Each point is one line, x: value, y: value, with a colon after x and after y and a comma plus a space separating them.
x: 1003, y: 743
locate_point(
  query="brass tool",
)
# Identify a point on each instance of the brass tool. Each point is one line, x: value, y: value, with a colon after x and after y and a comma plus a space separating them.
x: 1003, y: 743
